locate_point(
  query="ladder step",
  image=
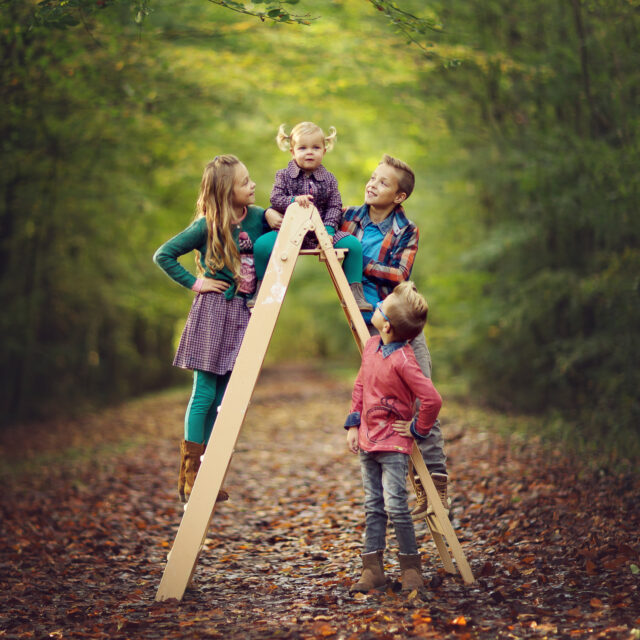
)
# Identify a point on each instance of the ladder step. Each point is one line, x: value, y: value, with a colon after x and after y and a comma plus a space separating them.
x: 340, y: 253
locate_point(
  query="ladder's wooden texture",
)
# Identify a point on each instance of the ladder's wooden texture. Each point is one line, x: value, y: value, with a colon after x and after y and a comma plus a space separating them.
x: 200, y: 508
x: 182, y: 559
x: 439, y: 523
x: 436, y: 534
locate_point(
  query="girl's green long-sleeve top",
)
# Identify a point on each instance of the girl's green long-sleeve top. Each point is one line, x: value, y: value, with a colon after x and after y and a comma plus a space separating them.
x: 194, y: 237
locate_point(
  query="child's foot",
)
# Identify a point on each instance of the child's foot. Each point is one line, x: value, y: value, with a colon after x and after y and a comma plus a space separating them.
x: 423, y: 508
x: 372, y: 573
x: 190, y: 456
x: 440, y: 481
x: 358, y: 294
x: 422, y: 503
x: 411, y: 571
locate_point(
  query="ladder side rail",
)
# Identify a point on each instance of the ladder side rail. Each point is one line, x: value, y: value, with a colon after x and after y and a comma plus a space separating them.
x: 354, y: 316
x: 197, y: 517
x: 441, y: 545
x: 441, y: 516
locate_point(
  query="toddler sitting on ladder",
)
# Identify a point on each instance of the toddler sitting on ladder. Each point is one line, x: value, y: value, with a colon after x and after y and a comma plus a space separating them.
x: 306, y: 182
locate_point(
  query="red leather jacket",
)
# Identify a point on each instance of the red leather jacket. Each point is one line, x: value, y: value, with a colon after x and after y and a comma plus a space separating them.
x: 385, y: 390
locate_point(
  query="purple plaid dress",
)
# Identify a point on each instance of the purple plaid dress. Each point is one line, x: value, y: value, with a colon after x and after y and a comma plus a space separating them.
x: 217, y: 322
x: 213, y: 334
x: 322, y: 185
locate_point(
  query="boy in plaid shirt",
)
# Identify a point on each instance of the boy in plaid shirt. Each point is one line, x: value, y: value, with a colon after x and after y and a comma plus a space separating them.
x: 389, y: 245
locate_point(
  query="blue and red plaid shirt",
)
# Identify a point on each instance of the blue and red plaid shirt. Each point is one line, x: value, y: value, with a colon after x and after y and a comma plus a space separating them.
x: 397, y: 252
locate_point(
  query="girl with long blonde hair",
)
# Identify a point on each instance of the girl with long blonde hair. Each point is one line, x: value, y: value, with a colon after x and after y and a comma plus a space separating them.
x: 222, y: 234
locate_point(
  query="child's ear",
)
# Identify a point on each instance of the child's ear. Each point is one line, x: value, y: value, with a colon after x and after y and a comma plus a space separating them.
x: 401, y: 196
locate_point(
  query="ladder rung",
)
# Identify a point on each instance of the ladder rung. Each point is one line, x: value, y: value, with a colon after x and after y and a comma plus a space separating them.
x: 318, y: 252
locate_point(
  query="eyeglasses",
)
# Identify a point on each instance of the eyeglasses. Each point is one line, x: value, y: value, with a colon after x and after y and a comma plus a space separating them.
x: 382, y: 313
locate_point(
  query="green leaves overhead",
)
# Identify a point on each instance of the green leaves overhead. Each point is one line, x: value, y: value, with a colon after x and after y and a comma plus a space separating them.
x: 62, y: 14
x: 527, y: 193
x: 274, y: 11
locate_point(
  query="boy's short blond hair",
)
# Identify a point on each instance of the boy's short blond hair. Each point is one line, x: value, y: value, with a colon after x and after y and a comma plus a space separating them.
x: 406, y: 177
x: 407, y: 311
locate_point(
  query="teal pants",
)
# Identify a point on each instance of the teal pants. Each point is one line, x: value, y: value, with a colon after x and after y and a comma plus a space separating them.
x: 352, y: 265
x: 202, y: 410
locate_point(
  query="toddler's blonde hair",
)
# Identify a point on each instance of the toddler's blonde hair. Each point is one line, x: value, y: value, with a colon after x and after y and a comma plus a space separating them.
x: 286, y: 142
x: 407, y: 310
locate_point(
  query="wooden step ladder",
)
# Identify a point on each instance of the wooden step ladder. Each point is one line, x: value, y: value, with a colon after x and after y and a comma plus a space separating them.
x: 199, y: 511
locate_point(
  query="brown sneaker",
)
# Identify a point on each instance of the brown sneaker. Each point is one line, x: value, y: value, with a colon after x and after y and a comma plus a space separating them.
x: 422, y: 502
x: 440, y: 481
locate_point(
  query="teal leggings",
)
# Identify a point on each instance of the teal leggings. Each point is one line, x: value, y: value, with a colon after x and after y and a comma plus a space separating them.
x: 206, y: 396
x: 352, y: 265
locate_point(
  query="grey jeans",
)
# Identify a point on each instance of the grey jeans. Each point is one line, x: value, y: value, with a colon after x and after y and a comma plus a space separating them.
x: 431, y: 447
x: 384, y: 477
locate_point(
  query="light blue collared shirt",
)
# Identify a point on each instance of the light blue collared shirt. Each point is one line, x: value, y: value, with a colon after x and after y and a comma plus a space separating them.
x: 390, y: 347
x: 371, y: 240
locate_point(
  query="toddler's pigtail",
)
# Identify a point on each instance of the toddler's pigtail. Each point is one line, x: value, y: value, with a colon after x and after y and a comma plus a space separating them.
x: 330, y: 140
x: 283, y: 140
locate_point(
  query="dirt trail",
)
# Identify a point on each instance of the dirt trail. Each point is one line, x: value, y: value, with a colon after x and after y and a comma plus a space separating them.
x: 555, y: 548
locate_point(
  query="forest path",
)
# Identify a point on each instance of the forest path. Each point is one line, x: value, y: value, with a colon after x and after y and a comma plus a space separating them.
x: 89, y: 511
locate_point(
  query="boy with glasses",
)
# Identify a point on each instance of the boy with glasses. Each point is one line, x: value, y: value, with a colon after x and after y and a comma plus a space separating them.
x: 381, y: 427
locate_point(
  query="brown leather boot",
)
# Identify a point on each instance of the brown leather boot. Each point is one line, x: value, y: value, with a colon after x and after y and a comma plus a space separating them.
x: 182, y: 473
x: 411, y: 571
x: 358, y: 294
x: 440, y: 481
x: 191, y: 454
x: 190, y: 458
x: 372, y: 573
x: 422, y: 502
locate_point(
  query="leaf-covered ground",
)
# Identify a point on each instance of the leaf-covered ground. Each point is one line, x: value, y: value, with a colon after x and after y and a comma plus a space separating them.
x: 89, y: 512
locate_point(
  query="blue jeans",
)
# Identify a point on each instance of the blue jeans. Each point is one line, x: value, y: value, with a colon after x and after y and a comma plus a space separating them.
x: 384, y: 477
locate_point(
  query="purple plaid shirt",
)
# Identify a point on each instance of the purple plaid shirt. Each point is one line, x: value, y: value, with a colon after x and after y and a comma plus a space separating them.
x: 321, y: 184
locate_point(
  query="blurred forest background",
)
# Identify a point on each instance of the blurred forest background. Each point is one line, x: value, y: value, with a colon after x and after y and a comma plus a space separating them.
x: 521, y: 121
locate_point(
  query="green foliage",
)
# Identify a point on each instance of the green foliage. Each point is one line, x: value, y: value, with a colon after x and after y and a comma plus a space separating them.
x: 62, y: 14
x: 77, y: 110
x: 554, y: 150
x: 105, y: 132
x: 520, y: 120
x: 276, y: 11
